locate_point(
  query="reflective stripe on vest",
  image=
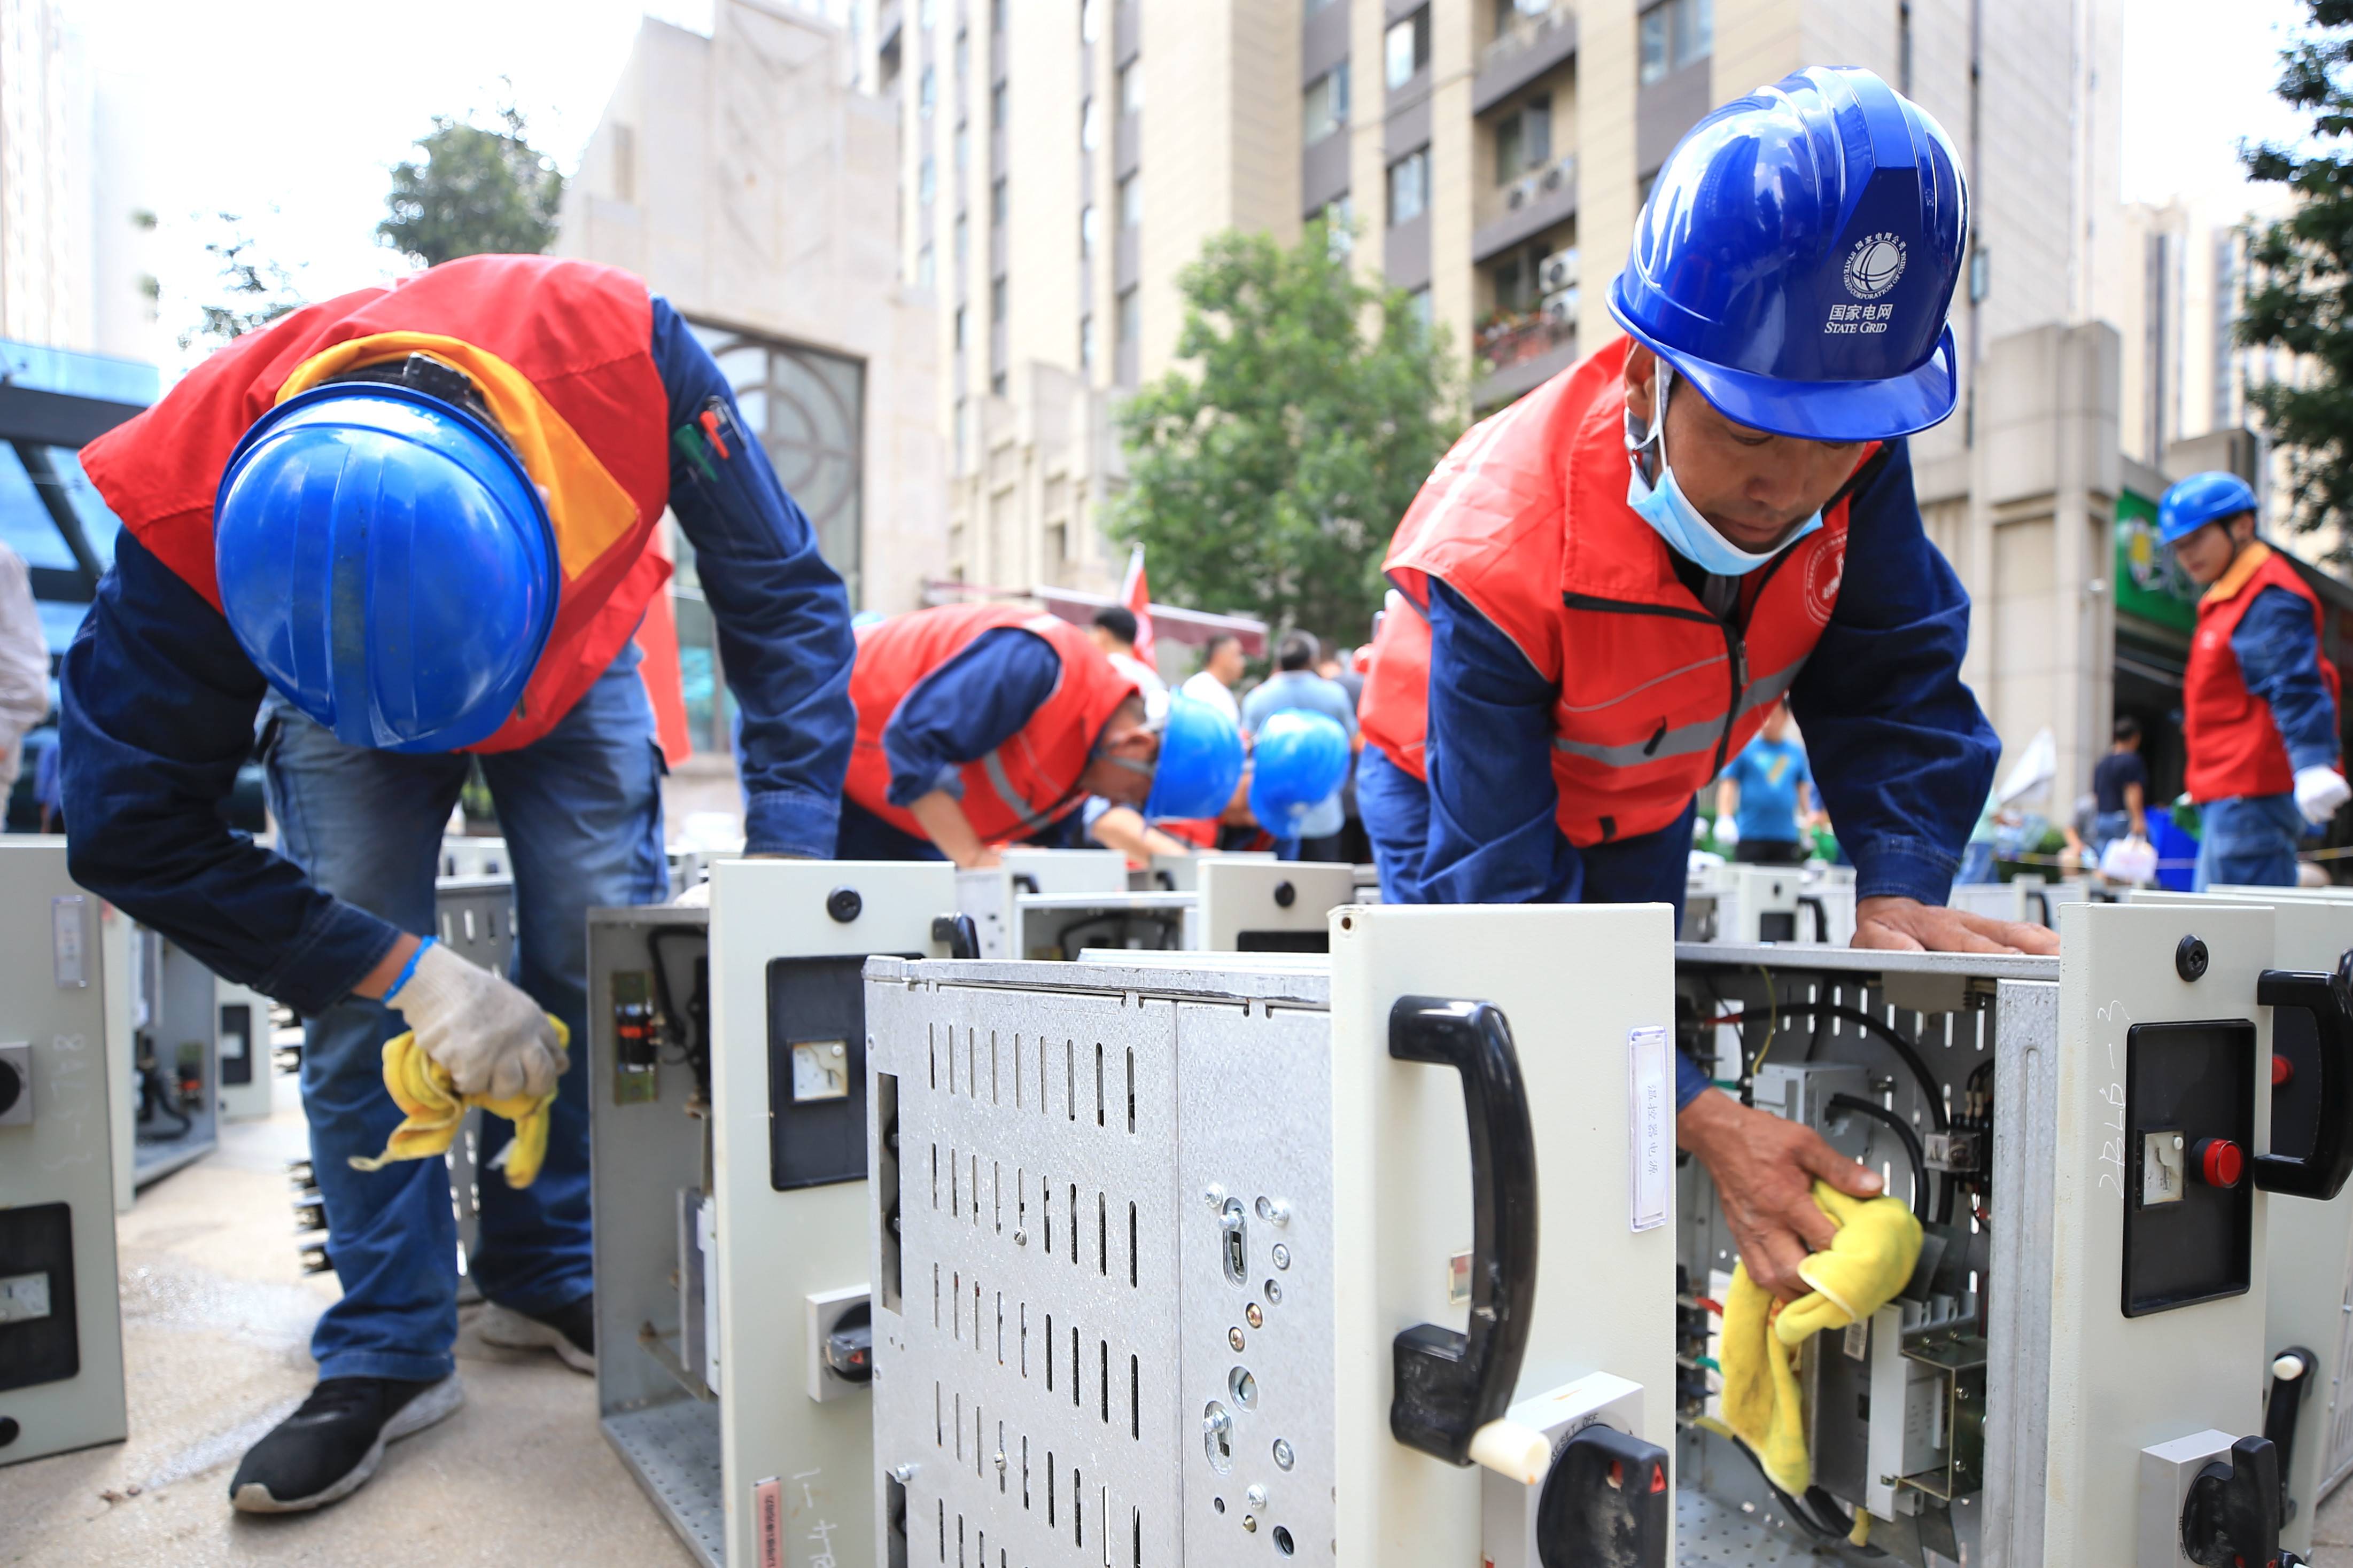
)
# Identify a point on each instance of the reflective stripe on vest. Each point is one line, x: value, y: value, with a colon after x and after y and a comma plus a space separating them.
x: 993, y: 763
x: 1684, y: 740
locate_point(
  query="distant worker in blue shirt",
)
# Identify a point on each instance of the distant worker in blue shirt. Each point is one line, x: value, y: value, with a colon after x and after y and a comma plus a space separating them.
x: 2260, y: 698
x: 1296, y: 687
x: 1766, y: 797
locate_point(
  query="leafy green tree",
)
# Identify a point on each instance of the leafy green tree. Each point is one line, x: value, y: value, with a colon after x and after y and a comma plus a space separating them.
x: 2300, y: 286
x: 255, y: 290
x: 479, y: 190
x: 1268, y: 479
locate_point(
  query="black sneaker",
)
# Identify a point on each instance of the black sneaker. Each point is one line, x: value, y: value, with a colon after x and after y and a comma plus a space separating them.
x: 326, y: 1450
x: 570, y: 1330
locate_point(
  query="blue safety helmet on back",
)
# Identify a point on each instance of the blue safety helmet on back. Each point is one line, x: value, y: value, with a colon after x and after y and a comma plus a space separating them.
x: 1297, y: 760
x: 1200, y: 763
x: 1797, y: 258
x: 386, y: 563
x: 2192, y: 503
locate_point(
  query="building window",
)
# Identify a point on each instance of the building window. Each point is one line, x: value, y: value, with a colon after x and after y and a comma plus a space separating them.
x: 962, y: 247
x: 1087, y: 227
x: 1131, y: 88
x: 926, y: 177
x: 1523, y: 140
x: 996, y: 106
x: 1325, y: 105
x: 999, y: 201
x: 1087, y: 344
x: 1419, y: 309
x: 959, y: 329
x: 1675, y: 34
x: 1130, y: 202
x: 1406, y: 49
x: 1090, y: 21
x: 924, y: 268
x: 1089, y: 126
x: 1409, y: 186
x: 997, y: 301
x: 927, y: 92
x: 924, y: 13
x: 806, y: 407
x: 997, y: 384
x: 1131, y: 318
x: 962, y: 423
x: 1339, y: 216
x: 963, y: 148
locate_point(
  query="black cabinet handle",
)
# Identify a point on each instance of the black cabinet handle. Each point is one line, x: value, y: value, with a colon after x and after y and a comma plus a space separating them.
x: 1450, y: 1385
x: 1605, y: 1503
x: 961, y: 936
x: 1023, y: 882
x: 1821, y: 915
x: 2329, y: 999
x: 2233, y: 1513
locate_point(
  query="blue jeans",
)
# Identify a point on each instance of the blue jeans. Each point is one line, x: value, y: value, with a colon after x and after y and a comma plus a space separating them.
x: 581, y: 808
x: 2248, y: 840
x: 1395, y: 806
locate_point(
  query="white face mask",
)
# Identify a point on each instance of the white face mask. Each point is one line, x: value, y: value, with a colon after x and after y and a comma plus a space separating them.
x: 1670, y: 514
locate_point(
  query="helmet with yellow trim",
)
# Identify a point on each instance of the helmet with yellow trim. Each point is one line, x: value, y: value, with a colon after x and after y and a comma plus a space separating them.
x: 386, y: 562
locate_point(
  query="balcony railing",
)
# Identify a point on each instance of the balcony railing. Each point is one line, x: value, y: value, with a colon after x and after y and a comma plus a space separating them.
x: 1522, y: 32
x: 1509, y: 337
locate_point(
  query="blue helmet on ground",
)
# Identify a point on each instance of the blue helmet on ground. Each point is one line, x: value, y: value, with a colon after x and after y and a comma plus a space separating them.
x: 386, y: 563
x: 1796, y: 256
x: 1296, y: 761
x: 1200, y: 763
x: 2192, y: 503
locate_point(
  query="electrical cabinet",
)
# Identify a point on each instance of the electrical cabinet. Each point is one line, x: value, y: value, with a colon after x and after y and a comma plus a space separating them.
x: 1235, y: 904
x: 60, y: 1328
x: 1270, y: 906
x: 241, y: 1032
x: 1736, y: 903
x: 2031, y: 899
x: 2308, y: 1320
x: 726, y: 1052
x: 1182, y: 873
x: 2086, y: 1328
x: 474, y: 856
x: 164, y: 1040
x: 1190, y: 1261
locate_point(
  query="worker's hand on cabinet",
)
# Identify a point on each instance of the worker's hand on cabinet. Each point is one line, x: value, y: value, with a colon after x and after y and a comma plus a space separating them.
x: 1763, y: 1169
x: 1908, y: 925
x: 490, y: 1034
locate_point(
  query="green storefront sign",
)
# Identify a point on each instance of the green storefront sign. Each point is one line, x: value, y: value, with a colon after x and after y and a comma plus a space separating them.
x: 2150, y: 583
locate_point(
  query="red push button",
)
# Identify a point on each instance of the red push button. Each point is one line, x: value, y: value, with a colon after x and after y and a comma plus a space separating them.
x: 2220, y: 1163
x: 2283, y: 1069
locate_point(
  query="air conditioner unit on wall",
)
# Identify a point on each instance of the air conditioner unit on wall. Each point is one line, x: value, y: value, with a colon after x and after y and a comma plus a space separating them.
x: 1560, y: 306
x: 1522, y: 193
x: 1558, y: 271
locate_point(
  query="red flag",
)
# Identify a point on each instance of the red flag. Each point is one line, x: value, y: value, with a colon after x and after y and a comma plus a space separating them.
x: 1137, y: 597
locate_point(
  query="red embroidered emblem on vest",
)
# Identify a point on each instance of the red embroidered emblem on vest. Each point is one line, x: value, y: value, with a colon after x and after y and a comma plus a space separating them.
x: 1824, y: 572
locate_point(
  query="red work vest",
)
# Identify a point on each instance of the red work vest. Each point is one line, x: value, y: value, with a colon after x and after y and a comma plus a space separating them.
x: 1030, y: 780
x: 580, y: 333
x: 2232, y: 739
x: 1394, y: 711
x: 1527, y: 520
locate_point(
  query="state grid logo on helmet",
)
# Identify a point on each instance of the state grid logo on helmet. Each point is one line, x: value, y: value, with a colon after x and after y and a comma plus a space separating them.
x: 1875, y: 264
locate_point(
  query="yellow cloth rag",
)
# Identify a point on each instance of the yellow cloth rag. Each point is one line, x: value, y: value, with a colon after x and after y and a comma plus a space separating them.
x: 1870, y: 1259
x: 423, y: 1089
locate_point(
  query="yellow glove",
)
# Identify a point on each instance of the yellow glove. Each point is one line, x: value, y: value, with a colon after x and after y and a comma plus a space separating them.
x: 1870, y: 1259
x: 433, y: 1108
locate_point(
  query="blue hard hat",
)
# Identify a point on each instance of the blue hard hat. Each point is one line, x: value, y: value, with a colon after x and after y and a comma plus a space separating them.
x: 2192, y: 503
x: 1200, y: 763
x: 1796, y: 256
x: 386, y: 563
x: 1296, y: 761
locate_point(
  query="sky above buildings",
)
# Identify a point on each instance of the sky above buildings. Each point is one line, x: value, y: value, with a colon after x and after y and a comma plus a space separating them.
x: 291, y: 112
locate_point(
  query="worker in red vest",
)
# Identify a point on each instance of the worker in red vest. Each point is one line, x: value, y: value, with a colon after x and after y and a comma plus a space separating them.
x: 412, y: 530
x: 2259, y: 703
x: 1606, y: 586
x: 980, y: 724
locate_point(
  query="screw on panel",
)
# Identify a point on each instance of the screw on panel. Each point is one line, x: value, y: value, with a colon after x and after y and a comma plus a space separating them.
x: 1215, y: 1196
x: 1250, y: 1524
x: 1234, y: 1337
x: 1256, y: 1317
x: 903, y: 1474
x: 1273, y: 1293
x: 1285, y: 895
x: 2190, y: 959
x: 1021, y: 1238
x: 1255, y: 1496
x: 1281, y: 1256
x: 1274, y: 1211
x: 844, y: 904
x: 1284, y: 1457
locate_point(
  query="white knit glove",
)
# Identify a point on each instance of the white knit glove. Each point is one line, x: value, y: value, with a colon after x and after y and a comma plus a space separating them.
x: 1727, y: 831
x: 2319, y: 792
x: 493, y: 1039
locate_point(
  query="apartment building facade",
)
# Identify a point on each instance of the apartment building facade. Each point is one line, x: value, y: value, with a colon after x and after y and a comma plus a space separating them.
x: 1061, y: 161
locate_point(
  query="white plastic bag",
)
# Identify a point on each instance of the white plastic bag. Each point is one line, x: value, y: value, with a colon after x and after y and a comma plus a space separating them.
x: 2132, y: 860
